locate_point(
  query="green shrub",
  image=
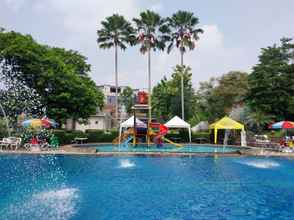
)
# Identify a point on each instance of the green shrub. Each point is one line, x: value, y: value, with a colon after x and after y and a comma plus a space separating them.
x: 183, y: 136
x: 61, y: 135
x: 206, y: 135
x: 67, y: 137
x: 95, y: 135
x: 100, y: 136
x: 3, y: 128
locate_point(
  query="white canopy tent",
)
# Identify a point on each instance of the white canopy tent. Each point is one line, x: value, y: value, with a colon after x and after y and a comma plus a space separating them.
x: 129, y: 123
x: 177, y: 122
x: 201, y: 126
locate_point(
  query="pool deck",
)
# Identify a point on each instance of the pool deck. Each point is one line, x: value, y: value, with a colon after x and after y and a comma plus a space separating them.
x: 87, y: 150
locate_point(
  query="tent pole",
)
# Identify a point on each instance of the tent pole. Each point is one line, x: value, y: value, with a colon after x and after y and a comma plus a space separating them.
x: 119, y: 135
x: 190, y: 133
x: 135, y: 128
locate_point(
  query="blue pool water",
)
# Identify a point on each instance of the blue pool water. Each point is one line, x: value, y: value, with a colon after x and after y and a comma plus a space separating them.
x: 167, y: 148
x: 88, y: 187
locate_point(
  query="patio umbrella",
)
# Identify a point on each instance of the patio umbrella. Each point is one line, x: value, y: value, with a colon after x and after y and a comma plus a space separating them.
x: 282, y: 125
x: 47, y: 123
x: 34, y: 123
x: 38, y: 123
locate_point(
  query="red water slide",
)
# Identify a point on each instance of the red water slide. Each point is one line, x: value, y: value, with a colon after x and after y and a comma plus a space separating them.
x: 162, y: 132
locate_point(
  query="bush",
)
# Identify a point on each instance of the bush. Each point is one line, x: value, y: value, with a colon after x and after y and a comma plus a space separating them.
x: 206, y: 135
x: 101, y: 136
x: 94, y: 135
x: 183, y: 136
x: 3, y: 128
x: 67, y: 137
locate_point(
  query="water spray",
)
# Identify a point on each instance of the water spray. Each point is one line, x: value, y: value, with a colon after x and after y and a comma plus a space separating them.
x: 6, y: 119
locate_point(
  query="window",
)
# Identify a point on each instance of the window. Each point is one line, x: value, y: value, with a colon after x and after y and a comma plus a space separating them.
x: 112, y: 90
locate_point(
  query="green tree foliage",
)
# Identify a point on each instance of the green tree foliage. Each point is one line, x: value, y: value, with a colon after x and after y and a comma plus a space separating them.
x: 59, y: 76
x: 73, y: 59
x: 183, y: 31
x: 127, y: 98
x: 152, y: 30
x: 116, y: 31
x: 216, y: 97
x: 271, y: 84
x: 167, y: 95
x: 257, y: 121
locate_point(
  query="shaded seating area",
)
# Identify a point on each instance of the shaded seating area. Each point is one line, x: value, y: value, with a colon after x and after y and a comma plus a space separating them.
x: 228, y: 123
x: 177, y: 122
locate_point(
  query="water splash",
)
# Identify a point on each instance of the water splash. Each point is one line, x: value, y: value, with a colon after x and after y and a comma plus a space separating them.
x: 54, y: 204
x: 261, y: 163
x: 126, y: 163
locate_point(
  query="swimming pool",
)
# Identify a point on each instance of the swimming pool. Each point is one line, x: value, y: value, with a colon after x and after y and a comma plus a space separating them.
x: 89, y: 187
x: 187, y: 148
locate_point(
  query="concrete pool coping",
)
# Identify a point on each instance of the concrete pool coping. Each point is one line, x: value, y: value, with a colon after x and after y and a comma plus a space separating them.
x: 90, y: 149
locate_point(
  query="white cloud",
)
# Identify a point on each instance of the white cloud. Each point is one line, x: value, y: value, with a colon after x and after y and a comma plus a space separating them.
x: 87, y: 14
x: 73, y: 23
x: 14, y: 5
x: 156, y: 7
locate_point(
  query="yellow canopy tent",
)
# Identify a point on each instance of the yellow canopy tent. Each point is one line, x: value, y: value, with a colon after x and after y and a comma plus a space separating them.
x: 225, y: 123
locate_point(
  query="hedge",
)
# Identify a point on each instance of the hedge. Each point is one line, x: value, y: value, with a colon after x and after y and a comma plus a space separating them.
x: 67, y: 137
x: 100, y: 136
x: 183, y: 136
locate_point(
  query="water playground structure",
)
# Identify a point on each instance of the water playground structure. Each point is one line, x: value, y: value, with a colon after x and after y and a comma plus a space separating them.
x: 140, y: 128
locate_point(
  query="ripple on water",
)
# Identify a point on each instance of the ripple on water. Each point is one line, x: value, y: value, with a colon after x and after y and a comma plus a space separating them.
x: 54, y: 204
x: 260, y: 163
x: 126, y: 163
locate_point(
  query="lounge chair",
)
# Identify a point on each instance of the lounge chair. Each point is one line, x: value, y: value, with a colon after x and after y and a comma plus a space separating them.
x: 10, y: 142
x: 4, y: 143
x: 262, y: 140
x: 15, y: 142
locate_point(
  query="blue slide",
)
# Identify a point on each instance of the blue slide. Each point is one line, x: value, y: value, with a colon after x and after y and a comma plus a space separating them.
x: 127, y: 141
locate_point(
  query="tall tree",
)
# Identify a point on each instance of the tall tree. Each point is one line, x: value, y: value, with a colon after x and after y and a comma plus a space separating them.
x: 271, y: 84
x: 116, y: 32
x: 166, y: 94
x: 183, y: 35
x: 218, y: 96
x: 65, y: 89
x: 152, y: 31
x: 127, y: 98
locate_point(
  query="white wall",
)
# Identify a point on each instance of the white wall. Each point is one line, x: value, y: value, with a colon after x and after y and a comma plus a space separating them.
x: 94, y: 122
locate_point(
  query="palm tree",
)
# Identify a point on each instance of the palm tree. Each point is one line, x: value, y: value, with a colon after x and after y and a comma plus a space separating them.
x: 257, y: 119
x: 116, y: 32
x: 152, y: 35
x: 183, y: 35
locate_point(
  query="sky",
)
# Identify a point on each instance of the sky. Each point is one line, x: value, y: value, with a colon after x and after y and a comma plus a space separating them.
x: 234, y: 33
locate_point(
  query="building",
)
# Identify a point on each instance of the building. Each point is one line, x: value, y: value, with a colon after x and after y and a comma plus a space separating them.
x: 109, y: 105
x: 103, y: 119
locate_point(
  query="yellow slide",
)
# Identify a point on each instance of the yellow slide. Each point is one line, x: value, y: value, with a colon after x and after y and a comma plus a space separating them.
x: 171, y: 142
x: 124, y: 136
